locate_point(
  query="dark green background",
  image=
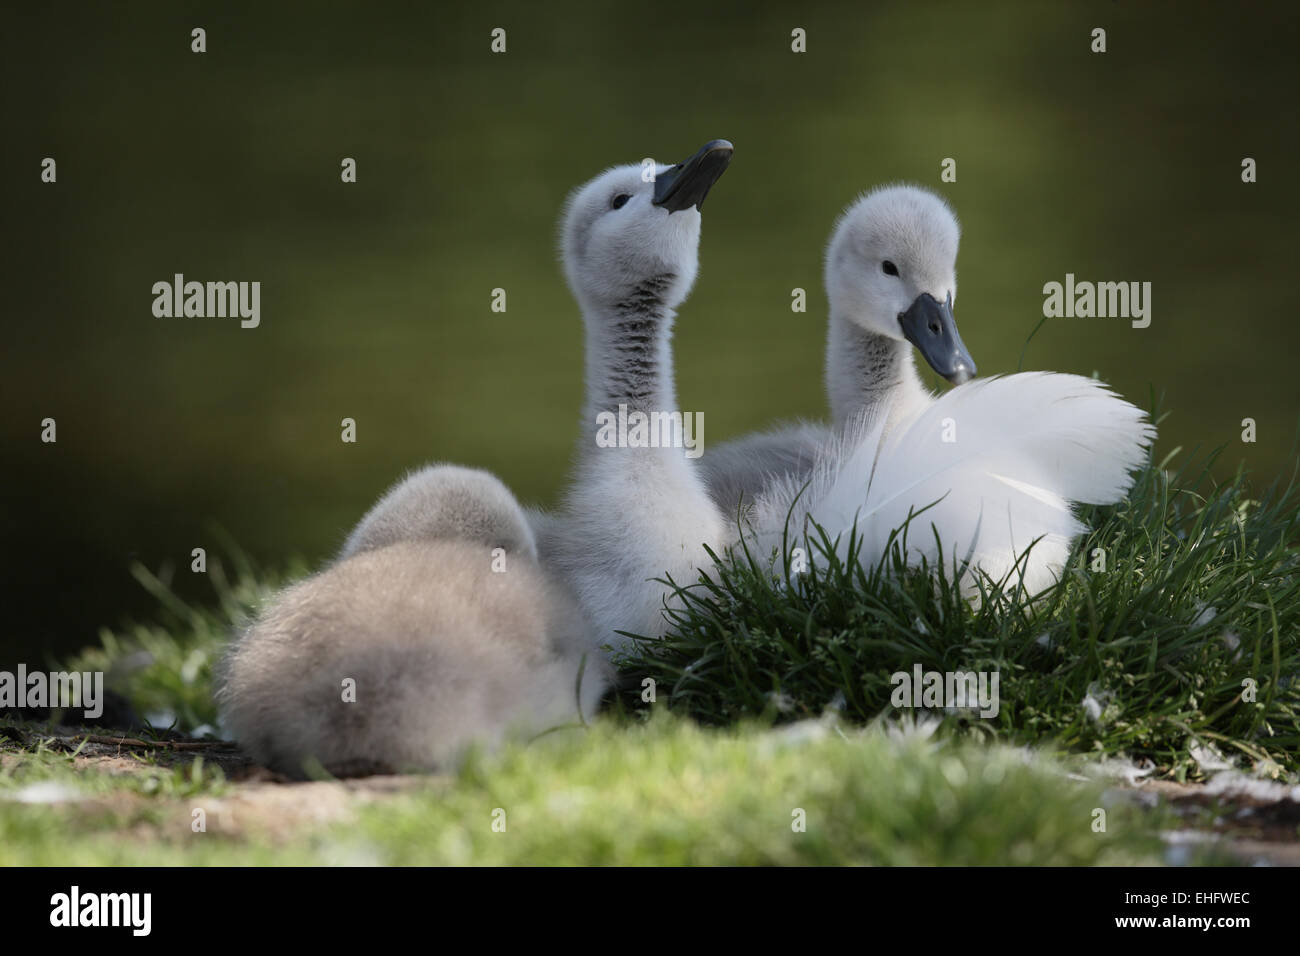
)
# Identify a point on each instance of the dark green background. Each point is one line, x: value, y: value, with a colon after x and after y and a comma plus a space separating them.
x: 375, y: 296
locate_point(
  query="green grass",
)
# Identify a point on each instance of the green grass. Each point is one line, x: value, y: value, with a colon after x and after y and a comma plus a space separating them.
x: 42, y: 764
x: 81, y: 817
x: 99, y: 818
x: 1200, y: 593
x: 675, y: 793
x: 665, y: 791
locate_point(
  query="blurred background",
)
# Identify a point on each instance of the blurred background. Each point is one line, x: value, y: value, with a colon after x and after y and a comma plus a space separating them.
x: 178, y: 433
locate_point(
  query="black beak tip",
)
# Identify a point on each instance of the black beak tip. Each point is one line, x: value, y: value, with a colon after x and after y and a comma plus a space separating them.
x: 718, y: 148
x: 686, y: 184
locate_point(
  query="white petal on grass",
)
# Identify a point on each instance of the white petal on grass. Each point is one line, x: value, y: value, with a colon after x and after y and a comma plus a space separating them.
x: 908, y: 726
x: 797, y: 734
x: 1095, y: 701
x: 192, y: 666
x: 47, y: 791
x: 1207, y: 756
x: 1118, y: 768
x: 1233, y: 783
x: 781, y: 701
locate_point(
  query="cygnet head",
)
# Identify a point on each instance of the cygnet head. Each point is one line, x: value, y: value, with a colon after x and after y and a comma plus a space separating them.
x: 627, y: 227
x: 891, y: 269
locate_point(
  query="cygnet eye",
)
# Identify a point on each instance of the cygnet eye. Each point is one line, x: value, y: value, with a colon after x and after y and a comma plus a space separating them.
x: 889, y: 267
x: 619, y: 201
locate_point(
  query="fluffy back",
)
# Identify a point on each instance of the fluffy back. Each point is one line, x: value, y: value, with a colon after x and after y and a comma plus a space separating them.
x: 442, y: 651
x: 445, y: 503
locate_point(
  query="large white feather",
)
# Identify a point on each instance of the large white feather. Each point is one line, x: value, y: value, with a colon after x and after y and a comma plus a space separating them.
x: 998, y: 461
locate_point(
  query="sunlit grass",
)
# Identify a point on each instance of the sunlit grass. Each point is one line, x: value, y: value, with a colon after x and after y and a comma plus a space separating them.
x: 663, y: 792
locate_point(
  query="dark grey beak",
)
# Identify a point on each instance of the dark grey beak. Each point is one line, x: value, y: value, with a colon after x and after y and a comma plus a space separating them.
x: 930, y: 326
x: 686, y: 184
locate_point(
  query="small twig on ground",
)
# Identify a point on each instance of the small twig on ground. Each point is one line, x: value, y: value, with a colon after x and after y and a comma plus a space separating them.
x: 152, y: 744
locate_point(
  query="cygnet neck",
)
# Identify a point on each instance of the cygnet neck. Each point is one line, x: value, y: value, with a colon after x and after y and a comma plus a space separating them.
x: 865, y: 370
x: 628, y: 358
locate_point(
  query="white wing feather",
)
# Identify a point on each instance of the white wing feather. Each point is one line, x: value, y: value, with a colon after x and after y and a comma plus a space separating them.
x: 999, y: 461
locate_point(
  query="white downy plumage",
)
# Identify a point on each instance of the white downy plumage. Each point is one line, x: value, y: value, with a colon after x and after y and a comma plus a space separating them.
x: 435, y: 630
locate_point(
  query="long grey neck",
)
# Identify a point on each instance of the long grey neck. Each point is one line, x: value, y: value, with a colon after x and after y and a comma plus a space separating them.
x: 638, y: 509
x: 866, y: 370
x: 629, y: 361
